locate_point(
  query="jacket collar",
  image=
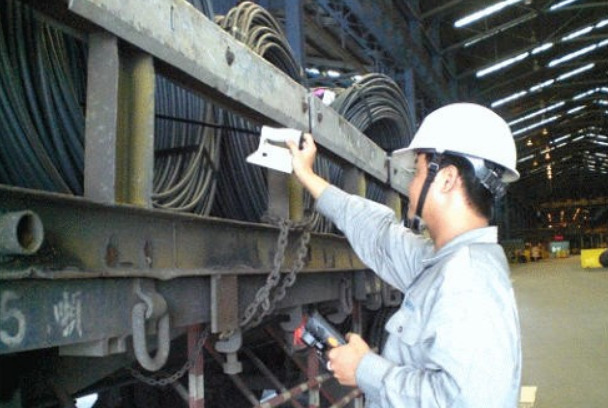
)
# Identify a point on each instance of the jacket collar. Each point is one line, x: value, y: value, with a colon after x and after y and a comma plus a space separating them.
x: 486, y: 235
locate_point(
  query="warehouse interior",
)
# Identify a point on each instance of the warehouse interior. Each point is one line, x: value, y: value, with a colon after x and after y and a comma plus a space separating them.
x: 125, y: 135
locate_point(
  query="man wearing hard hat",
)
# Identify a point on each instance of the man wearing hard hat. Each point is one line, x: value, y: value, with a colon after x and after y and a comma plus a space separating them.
x: 455, y: 340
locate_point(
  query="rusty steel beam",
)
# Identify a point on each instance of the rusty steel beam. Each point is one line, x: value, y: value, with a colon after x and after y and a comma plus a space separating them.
x: 84, y: 239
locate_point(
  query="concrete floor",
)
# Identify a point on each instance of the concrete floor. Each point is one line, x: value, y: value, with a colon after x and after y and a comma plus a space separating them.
x: 563, y: 310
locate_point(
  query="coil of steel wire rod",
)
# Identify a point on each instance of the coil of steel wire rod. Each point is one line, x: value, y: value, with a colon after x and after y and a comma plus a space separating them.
x: 42, y: 97
x: 242, y: 191
x: 377, y: 107
x: 42, y: 93
x: 186, y: 145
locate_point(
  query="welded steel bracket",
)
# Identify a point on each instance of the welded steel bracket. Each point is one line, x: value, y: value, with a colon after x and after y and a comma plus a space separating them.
x: 224, y: 303
x: 100, y: 348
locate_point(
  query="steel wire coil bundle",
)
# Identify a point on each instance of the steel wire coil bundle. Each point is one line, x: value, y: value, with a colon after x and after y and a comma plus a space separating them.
x: 42, y: 93
x: 377, y: 107
x: 187, y: 147
x: 42, y: 98
x: 242, y: 188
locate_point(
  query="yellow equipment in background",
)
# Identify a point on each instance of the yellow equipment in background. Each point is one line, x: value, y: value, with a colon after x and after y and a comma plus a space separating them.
x: 590, y: 258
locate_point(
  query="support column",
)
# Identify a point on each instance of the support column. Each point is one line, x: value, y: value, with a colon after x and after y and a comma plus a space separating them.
x: 358, y: 328
x: 135, y: 141
x: 196, y: 378
x: 294, y: 14
x: 312, y: 371
x: 101, y: 118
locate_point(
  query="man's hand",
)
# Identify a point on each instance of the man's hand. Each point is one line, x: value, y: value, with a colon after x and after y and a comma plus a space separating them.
x: 344, y: 360
x: 303, y: 160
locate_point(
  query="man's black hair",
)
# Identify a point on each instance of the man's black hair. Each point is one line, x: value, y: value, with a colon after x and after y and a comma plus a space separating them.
x: 479, y: 197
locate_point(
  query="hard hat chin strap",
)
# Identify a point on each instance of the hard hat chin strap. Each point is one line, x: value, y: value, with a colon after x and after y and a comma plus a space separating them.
x: 432, y: 169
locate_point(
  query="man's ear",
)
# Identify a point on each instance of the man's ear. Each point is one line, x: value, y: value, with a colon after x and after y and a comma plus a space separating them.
x: 449, y: 178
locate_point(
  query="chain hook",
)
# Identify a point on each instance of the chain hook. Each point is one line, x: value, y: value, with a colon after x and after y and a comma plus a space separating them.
x: 152, y: 307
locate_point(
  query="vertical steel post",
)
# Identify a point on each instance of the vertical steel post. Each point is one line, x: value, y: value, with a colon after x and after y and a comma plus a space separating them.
x: 354, y: 181
x: 393, y: 200
x: 101, y: 118
x: 135, y: 148
x: 358, y: 328
x: 312, y: 370
x: 196, y: 378
x: 294, y: 14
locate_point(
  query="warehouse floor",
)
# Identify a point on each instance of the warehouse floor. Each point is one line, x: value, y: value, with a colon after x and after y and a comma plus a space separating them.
x: 564, y: 322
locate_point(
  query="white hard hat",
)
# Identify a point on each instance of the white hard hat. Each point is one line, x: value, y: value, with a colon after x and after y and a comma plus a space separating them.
x: 467, y: 129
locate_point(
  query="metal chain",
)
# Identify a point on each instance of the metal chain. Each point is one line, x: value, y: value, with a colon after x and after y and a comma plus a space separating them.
x: 162, y: 382
x: 262, y: 305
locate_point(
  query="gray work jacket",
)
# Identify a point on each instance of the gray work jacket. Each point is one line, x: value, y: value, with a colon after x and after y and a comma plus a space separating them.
x: 455, y: 340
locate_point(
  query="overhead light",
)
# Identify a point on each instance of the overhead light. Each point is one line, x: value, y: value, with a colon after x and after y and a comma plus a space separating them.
x: 501, y: 64
x: 584, y: 94
x: 575, y: 72
x: 545, y: 132
x: 536, y: 125
x: 559, y: 139
x: 576, y: 139
x: 561, y: 4
x: 509, y: 98
x: 542, y: 48
x: 578, y: 33
x: 538, y: 113
x: 484, y: 12
x: 577, y: 109
x: 529, y: 142
x: 602, y: 23
x: 542, y: 85
x: 312, y: 71
x: 572, y: 55
x: 578, y: 53
x: 524, y: 159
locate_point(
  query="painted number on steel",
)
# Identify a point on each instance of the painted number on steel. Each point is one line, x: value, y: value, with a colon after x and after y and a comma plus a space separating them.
x: 12, y: 320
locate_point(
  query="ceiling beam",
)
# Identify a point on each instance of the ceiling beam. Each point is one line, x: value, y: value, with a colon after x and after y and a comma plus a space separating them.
x: 441, y: 9
x: 396, y: 40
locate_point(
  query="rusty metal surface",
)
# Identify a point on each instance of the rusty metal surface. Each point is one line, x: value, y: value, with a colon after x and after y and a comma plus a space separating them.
x: 125, y: 241
x: 335, y: 133
x: 177, y: 34
x: 101, y: 118
x: 38, y: 313
x: 182, y: 39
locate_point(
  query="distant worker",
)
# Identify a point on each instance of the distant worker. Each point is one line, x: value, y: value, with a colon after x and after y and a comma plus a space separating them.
x: 455, y: 340
x: 535, y: 252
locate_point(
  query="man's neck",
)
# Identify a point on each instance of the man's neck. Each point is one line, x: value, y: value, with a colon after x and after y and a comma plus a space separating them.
x: 448, y: 229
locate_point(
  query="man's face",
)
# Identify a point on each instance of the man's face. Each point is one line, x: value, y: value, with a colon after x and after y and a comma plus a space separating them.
x: 416, y: 184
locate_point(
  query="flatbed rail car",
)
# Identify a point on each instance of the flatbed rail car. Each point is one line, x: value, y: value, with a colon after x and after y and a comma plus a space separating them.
x: 96, y: 282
